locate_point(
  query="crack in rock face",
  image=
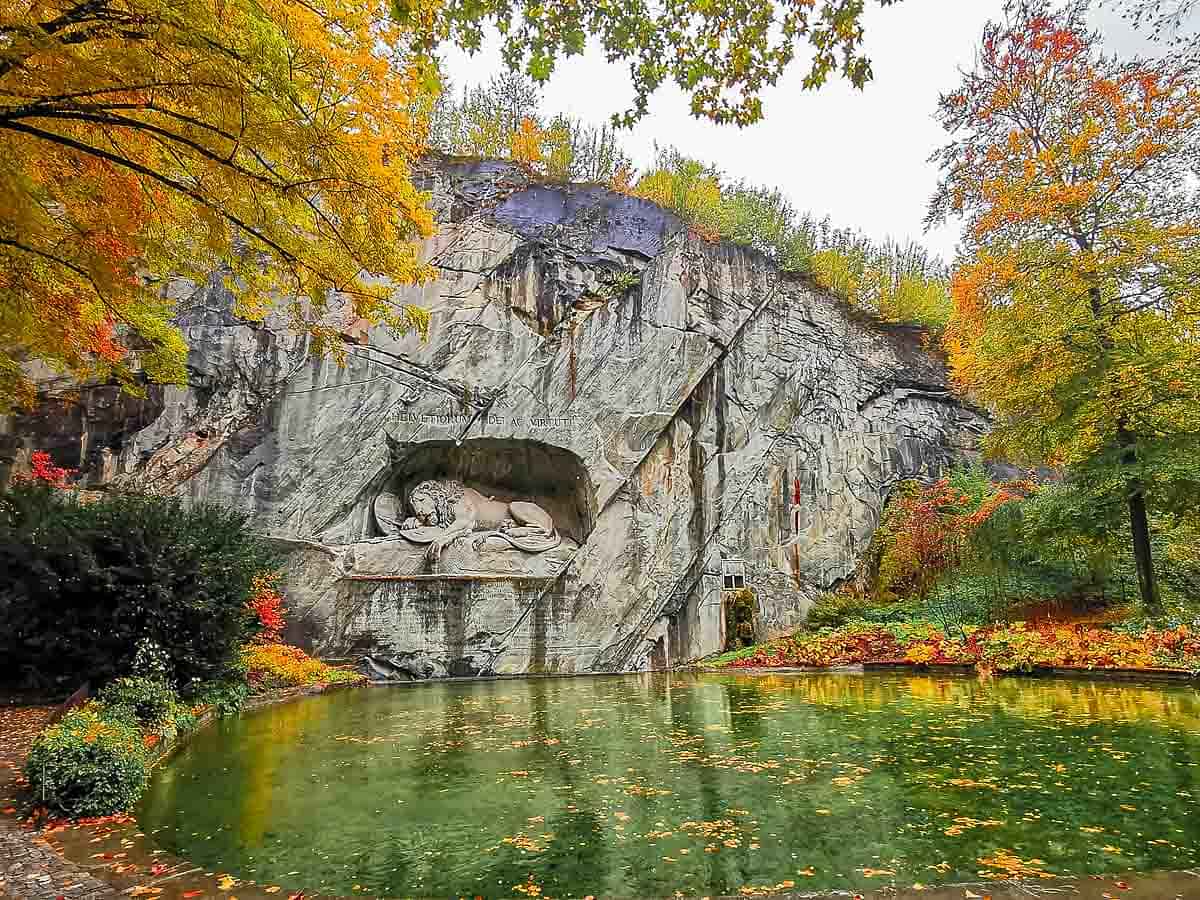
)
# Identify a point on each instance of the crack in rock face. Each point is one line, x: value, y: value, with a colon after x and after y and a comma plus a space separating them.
x: 658, y: 398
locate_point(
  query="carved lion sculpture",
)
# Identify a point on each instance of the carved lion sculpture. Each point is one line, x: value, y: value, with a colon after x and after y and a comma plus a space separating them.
x: 444, y: 511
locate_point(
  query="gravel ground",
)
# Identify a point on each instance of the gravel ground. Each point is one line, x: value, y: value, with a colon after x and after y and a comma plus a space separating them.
x: 29, y: 868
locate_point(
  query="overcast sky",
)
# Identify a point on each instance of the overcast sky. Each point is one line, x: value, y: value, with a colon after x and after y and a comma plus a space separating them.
x: 859, y: 157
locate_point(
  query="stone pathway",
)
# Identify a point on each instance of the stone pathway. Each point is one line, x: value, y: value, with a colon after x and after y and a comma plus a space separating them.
x: 29, y: 868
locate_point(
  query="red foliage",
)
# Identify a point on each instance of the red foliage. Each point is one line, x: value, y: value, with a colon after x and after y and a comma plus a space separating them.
x: 859, y: 643
x: 42, y: 468
x: 932, y: 526
x: 101, y: 340
x: 1033, y: 46
x: 267, y: 604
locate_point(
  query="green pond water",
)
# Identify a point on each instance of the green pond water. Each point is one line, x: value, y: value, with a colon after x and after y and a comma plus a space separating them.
x: 641, y: 786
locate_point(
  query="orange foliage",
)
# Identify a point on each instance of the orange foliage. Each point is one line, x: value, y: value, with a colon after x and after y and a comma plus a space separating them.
x: 281, y: 665
x: 527, y: 143
x: 194, y: 136
x: 1004, y: 648
x: 928, y: 529
x: 1076, y: 306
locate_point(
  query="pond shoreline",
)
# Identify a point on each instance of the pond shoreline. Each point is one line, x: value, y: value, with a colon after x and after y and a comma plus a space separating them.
x: 36, y: 863
x: 68, y: 856
x: 1100, y: 674
x: 1177, y: 676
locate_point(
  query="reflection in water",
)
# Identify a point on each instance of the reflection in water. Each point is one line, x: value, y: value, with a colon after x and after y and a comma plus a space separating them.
x: 648, y: 784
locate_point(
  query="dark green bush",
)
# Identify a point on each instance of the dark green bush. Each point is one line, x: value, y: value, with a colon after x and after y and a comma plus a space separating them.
x: 227, y: 697
x: 86, y: 585
x: 148, y: 702
x: 837, y: 608
x: 88, y: 764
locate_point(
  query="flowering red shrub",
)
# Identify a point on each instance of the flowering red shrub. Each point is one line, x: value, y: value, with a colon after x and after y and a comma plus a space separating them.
x: 42, y: 468
x: 267, y: 604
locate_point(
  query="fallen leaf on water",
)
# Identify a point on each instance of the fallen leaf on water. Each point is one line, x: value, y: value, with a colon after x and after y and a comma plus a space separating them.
x: 226, y: 882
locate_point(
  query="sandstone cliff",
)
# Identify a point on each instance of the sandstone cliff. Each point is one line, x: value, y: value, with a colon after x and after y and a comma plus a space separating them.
x: 661, y: 396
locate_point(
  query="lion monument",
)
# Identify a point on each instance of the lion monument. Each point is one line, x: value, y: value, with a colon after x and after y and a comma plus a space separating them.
x: 444, y: 511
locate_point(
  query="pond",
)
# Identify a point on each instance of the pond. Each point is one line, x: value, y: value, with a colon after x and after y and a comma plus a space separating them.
x: 641, y: 786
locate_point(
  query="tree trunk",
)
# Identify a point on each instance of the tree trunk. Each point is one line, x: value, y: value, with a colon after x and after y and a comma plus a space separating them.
x: 1141, y: 552
x: 1139, y: 527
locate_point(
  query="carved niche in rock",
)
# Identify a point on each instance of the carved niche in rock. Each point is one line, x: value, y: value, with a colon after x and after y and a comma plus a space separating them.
x: 486, y: 506
x: 446, y: 511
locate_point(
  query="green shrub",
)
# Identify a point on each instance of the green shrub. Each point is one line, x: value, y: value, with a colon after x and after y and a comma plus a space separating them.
x: 148, y: 702
x: 88, y: 764
x: 227, y: 696
x: 741, y: 618
x: 86, y: 585
x: 690, y: 189
x: 834, y: 609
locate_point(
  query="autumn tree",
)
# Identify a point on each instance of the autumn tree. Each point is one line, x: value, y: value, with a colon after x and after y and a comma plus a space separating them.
x: 272, y: 140
x: 898, y: 282
x: 582, y: 152
x: 1171, y: 22
x: 722, y: 55
x: 504, y: 119
x: 485, y: 119
x: 690, y: 188
x: 1076, y: 303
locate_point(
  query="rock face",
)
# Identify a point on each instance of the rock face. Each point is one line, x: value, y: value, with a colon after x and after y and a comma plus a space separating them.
x: 663, y: 400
